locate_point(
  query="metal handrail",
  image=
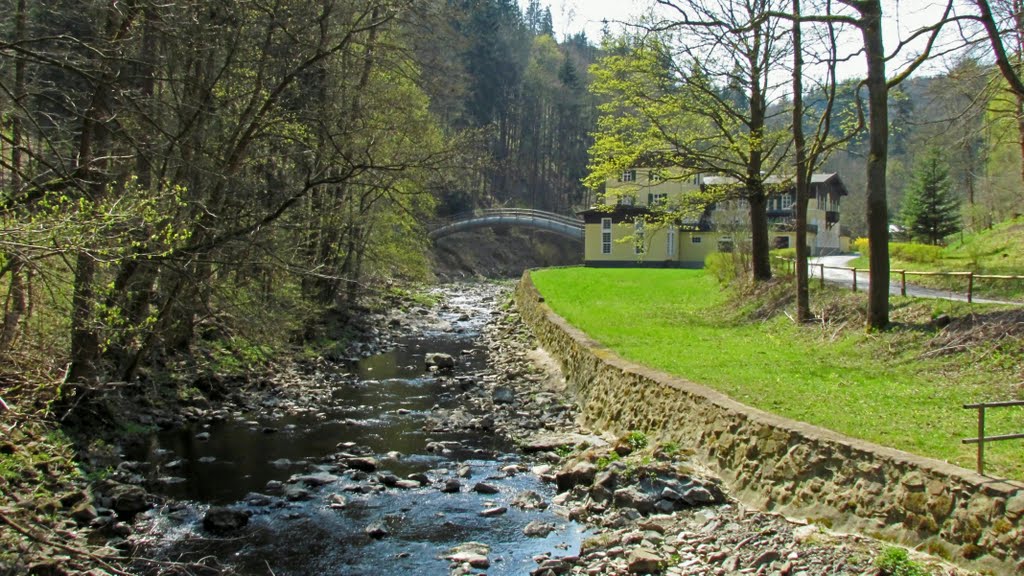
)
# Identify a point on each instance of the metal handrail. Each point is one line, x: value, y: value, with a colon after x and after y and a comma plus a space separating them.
x: 981, y: 439
x: 510, y: 213
x: 481, y: 212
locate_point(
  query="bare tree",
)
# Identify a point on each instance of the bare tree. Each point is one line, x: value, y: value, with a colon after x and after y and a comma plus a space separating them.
x: 809, y: 157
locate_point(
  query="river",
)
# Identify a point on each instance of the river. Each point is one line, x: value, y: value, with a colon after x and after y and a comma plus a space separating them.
x: 293, y: 467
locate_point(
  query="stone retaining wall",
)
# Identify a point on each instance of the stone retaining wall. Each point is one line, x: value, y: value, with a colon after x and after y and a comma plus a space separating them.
x: 789, y: 467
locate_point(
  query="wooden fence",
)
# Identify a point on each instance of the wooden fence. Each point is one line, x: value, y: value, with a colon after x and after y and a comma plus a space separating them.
x: 969, y: 276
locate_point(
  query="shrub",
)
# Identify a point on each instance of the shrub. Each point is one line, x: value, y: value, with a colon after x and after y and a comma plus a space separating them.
x: 910, y: 252
x: 894, y: 561
x: 860, y: 245
x: 722, y: 266
x: 636, y: 440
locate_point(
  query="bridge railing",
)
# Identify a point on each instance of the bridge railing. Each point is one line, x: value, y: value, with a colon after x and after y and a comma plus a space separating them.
x: 526, y: 213
x: 505, y: 214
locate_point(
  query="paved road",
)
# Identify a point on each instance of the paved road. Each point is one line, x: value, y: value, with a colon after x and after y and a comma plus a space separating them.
x: 845, y: 278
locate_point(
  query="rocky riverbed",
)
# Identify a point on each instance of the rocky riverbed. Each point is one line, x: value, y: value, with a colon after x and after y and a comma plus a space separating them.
x: 451, y: 446
x: 649, y: 508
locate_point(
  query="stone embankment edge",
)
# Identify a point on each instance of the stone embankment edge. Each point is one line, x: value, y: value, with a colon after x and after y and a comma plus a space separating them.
x: 789, y: 467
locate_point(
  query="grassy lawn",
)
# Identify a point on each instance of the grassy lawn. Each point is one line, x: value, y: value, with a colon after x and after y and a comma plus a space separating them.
x: 895, y: 388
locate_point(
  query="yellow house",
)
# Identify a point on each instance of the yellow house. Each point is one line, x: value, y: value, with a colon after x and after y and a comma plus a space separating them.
x: 638, y: 223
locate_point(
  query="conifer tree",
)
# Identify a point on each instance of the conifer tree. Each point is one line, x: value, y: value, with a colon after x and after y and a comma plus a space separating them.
x: 930, y: 210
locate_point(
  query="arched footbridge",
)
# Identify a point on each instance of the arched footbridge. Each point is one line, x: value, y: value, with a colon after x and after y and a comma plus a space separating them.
x: 557, y: 223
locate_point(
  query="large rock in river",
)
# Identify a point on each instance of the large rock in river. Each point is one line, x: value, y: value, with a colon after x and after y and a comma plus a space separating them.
x: 220, y: 519
x: 547, y: 442
x: 439, y: 359
x: 582, y: 472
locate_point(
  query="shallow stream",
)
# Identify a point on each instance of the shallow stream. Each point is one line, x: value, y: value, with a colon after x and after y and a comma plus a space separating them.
x: 377, y: 407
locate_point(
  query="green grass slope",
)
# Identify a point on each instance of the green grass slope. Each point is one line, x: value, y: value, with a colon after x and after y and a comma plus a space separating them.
x: 904, y: 388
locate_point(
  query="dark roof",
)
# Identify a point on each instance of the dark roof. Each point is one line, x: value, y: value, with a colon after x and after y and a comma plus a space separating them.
x: 831, y: 178
x: 621, y: 213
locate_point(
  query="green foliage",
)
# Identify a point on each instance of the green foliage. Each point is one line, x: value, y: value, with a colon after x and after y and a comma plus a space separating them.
x: 671, y: 448
x: 894, y: 561
x: 917, y: 253
x: 237, y: 355
x: 564, y: 451
x: 930, y: 211
x: 603, y: 461
x: 657, y: 111
x: 636, y: 440
x: 726, y: 267
x: 889, y: 388
x: 861, y: 245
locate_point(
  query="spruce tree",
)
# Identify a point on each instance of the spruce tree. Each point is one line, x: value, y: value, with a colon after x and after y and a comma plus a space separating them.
x: 930, y: 209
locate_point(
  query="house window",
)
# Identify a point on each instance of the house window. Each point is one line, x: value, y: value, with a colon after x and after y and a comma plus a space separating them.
x: 670, y: 248
x: 626, y: 200
x: 638, y: 236
x: 628, y: 176
x: 654, y: 176
x: 695, y: 239
x: 787, y: 201
x: 653, y: 199
x: 606, y: 235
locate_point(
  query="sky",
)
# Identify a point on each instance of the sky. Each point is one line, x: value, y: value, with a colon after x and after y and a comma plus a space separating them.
x: 571, y: 16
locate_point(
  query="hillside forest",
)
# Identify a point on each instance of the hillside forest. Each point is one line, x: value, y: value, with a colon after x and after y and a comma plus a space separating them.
x: 220, y: 176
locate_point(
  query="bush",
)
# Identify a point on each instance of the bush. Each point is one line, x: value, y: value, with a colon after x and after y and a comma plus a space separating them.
x: 636, y: 440
x: 910, y: 252
x: 722, y: 266
x: 905, y: 251
x: 784, y: 253
x: 894, y: 561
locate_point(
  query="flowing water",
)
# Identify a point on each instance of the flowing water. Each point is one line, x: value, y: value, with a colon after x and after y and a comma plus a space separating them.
x: 376, y: 406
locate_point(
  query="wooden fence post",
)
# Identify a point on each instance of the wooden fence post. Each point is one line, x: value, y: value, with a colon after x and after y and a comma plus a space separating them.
x: 903, y: 282
x: 854, y: 270
x: 822, y: 275
x: 970, y: 287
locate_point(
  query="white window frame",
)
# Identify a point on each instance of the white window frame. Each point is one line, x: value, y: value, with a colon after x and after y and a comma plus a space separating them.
x: 628, y: 176
x: 787, y: 201
x: 654, y: 176
x: 638, y: 237
x: 606, y: 235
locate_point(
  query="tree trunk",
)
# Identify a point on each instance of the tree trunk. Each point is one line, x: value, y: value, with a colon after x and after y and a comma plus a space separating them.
x: 85, y: 342
x: 761, y: 264
x: 803, y: 300
x: 878, y: 143
x: 759, y: 257
x: 1020, y: 132
x: 15, y: 306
